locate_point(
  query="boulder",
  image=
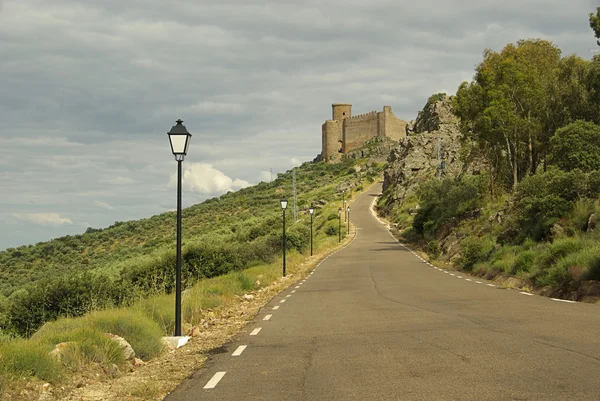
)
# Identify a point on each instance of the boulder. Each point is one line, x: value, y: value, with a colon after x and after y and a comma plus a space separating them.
x: 591, y: 224
x: 126, y: 348
x: 60, y: 348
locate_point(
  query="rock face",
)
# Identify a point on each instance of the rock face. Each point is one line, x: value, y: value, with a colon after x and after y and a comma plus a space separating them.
x: 415, y: 159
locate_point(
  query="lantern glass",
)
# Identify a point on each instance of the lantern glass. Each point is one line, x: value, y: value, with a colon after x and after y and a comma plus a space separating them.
x: 180, y: 139
x: 284, y: 203
x: 311, y: 210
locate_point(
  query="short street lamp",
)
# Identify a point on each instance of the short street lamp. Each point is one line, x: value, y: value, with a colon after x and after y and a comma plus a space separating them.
x: 345, y: 215
x: 180, y: 142
x: 340, y: 225
x: 348, y: 219
x: 311, y: 211
x: 284, y: 203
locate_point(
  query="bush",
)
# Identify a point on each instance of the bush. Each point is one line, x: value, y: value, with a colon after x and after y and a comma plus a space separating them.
x: 433, y: 248
x: 23, y: 358
x: 576, y: 146
x: 442, y: 200
x: 474, y: 250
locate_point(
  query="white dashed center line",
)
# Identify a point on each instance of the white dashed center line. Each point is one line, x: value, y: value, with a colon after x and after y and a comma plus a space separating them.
x: 478, y: 282
x: 452, y: 274
x: 267, y: 317
x: 490, y: 285
x: 289, y: 295
x: 276, y: 307
x: 239, y: 350
x: 256, y: 331
x: 298, y: 286
x: 524, y: 293
x: 468, y: 279
x: 293, y: 291
x: 447, y: 273
x: 282, y: 301
x: 459, y: 276
x: 212, y: 383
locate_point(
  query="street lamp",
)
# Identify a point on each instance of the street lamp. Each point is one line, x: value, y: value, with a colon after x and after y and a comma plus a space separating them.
x: 311, y: 211
x: 345, y: 216
x: 348, y: 210
x: 340, y: 224
x: 179, y: 137
x: 284, y: 203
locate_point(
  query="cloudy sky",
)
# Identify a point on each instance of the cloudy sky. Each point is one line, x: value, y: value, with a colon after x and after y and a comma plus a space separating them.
x: 89, y: 88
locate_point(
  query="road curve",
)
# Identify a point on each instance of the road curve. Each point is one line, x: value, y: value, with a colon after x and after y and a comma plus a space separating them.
x: 374, y: 322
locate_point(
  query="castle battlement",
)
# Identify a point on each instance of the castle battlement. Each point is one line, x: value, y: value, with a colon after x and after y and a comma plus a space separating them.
x: 345, y: 133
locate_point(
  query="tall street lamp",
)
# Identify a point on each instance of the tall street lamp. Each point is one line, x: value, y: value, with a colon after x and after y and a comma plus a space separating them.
x: 340, y: 225
x: 311, y: 211
x: 180, y: 142
x: 284, y: 203
x: 345, y: 215
x: 348, y: 219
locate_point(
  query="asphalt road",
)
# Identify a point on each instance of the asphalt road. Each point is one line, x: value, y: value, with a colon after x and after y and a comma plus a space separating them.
x: 374, y: 322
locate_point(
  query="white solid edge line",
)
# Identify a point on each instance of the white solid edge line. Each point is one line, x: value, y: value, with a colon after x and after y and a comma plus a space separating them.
x: 564, y: 300
x: 239, y: 350
x: 479, y: 282
x: 459, y: 276
x: 452, y: 274
x: 276, y: 307
x: 468, y: 279
x: 288, y: 295
x: 446, y: 272
x: 267, y: 317
x: 293, y: 291
x: 212, y: 383
x: 297, y: 286
x: 256, y: 331
x: 524, y: 293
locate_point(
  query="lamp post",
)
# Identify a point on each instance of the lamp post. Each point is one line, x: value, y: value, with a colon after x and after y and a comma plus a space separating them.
x: 345, y: 215
x: 340, y: 225
x: 284, y: 203
x: 179, y: 137
x: 348, y: 219
x: 311, y: 211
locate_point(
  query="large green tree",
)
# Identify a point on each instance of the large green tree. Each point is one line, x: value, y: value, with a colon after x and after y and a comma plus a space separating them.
x: 595, y: 24
x: 509, y: 107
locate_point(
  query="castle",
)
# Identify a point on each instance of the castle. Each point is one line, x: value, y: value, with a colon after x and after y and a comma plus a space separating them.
x: 345, y: 132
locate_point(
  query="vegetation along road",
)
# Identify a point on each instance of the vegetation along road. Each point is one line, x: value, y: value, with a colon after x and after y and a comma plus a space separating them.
x: 376, y: 322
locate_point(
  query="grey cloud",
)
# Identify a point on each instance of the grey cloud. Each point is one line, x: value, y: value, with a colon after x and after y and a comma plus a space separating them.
x: 90, y: 87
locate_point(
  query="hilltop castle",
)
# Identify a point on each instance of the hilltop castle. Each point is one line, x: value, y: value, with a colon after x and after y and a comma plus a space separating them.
x: 345, y: 132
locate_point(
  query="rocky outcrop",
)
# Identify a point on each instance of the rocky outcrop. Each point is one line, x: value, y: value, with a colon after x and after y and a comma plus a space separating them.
x: 376, y: 149
x: 415, y: 159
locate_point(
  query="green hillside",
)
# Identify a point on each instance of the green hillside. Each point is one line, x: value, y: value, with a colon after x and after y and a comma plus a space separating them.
x: 106, y: 267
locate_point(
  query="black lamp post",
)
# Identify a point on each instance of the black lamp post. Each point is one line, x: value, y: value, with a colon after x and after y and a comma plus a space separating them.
x: 345, y: 215
x: 348, y: 210
x: 283, y: 207
x: 311, y: 211
x: 340, y: 225
x: 180, y: 142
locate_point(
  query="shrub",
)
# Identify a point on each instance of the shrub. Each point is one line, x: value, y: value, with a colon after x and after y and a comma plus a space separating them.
x: 576, y: 146
x: 474, y: 250
x: 23, y: 358
x: 442, y: 200
x: 433, y: 248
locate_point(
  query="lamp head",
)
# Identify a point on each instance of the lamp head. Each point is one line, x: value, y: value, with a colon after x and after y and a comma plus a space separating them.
x: 284, y: 203
x: 180, y: 140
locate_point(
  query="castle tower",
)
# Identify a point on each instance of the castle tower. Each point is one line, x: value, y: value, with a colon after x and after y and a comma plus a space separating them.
x: 341, y: 111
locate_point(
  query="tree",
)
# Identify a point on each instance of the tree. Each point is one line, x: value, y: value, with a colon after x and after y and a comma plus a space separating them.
x: 577, y: 146
x: 509, y: 106
x: 595, y: 24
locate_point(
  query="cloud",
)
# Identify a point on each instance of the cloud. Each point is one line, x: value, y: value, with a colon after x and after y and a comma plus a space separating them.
x: 204, y: 179
x: 253, y: 92
x: 43, y: 219
x: 103, y: 205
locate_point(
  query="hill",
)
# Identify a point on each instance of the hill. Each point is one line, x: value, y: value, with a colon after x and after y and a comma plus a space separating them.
x: 72, y: 275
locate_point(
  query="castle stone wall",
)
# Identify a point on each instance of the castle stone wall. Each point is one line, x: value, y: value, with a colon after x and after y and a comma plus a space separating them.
x: 341, y: 111
x: 331, y: 135
x: 392, y: 127
x: 359, y: 129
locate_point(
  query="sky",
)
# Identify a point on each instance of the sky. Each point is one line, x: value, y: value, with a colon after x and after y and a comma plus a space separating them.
x: 90, y: 88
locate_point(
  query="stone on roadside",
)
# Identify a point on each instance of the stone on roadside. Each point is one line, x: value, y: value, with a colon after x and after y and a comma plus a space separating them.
x: 60, y: 348
x: 194, y: 332
x: 126, y: 348
x: 138, y: 362
x: 248, y: 297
